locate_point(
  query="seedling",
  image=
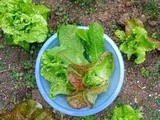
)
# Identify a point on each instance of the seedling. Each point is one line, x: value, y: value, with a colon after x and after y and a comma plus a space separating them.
x: 27, y: 65
x: 145, y: 72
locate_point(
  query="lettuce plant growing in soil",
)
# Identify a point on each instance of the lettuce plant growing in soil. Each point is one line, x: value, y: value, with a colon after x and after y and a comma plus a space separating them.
x: 79, y: 67
x: 23, y: 22
x: 28, y: 110
x: 135, y: 41
x: 126, y: 112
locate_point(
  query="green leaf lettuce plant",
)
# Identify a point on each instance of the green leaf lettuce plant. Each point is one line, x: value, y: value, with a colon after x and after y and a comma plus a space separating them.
x: 135, y: 41
x: 126, y: 112
x: 23, y: 22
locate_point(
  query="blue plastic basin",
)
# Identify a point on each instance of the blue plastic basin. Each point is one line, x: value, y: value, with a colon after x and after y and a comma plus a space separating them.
x: 103, y: 101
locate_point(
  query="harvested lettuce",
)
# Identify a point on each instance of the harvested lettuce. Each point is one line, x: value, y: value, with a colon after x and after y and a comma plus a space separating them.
x: 23, y: 22
x: 68, y: 70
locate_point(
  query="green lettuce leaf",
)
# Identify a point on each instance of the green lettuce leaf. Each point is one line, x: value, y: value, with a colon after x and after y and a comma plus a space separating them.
x: 11, y: 6
x: 120, y: 34
x: 72, y: 50
x: 23, y: 44
x: 55, y: 72
x: 96, y: 41
x: 83, y: 35
x: 100, y: 72
x: 93, y: 40
x: 67, y: 36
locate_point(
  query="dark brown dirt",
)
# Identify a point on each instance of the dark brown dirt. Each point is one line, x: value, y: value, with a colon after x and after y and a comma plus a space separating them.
x: 139, y: 91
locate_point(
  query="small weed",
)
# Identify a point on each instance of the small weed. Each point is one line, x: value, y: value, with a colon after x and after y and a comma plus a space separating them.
x: 2, y: 66
x: 152, y: 8
x: 65, y: 19
x: 27, y: 65
x: 135, y: 2
x: 155, y: 115
x: 145, y: 72
x: 14, y: 74
x: 28, y: 96
x: 30, y: 80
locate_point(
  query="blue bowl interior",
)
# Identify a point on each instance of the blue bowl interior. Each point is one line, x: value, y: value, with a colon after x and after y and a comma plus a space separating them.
x: 104, y: 100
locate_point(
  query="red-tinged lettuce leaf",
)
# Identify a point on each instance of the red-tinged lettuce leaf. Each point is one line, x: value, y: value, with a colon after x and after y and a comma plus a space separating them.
x: 130, y: 24
x: 81, y: 69
x: 76, y: 80
x: 156, y: 42
x: 76, y: 74
x: 86, y: 98
x: 77, y: 100
x: 28, y: 110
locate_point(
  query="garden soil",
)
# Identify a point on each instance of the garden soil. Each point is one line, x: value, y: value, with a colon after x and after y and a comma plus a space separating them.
x: 141, y: 88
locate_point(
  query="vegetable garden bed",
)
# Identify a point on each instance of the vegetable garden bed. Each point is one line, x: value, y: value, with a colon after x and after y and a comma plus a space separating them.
x: 141, y: 88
